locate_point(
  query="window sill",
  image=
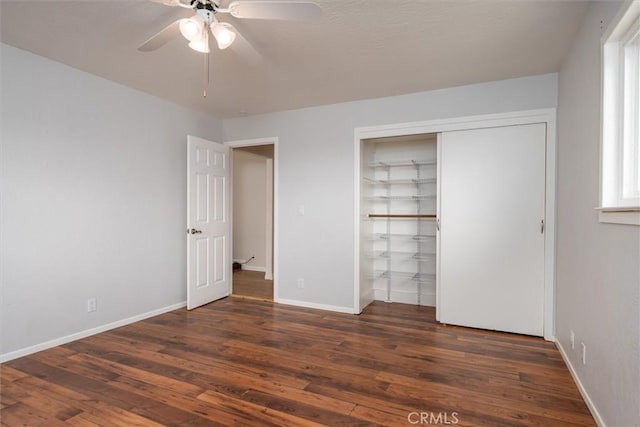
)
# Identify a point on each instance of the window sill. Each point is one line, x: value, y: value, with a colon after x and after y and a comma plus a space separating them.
x: 621, y: 215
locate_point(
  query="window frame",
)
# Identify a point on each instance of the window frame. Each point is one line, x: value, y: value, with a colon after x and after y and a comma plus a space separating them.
x: 620, y: 149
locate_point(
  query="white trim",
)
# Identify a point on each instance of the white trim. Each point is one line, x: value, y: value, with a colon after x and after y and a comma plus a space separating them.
x: 438, y: 204
x: 268, y: 250
x: 455, y: 124
x: 254, y: 268
x: 620, y: 21
x: 550, y: 229
x: 356, y: 223
x: 88, y: 332
x: 625, y: 216
x: 546, y: 115
x: 585, y: 396
x: 316, y: 306
x: 251, y: 267
x: 612, y: 95
x: 276, y: 179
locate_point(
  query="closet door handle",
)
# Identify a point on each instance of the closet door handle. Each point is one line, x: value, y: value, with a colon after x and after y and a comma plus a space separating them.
x: 194, y: 231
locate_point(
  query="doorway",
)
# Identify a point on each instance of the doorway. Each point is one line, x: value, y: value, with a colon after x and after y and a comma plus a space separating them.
x: 252, y: 194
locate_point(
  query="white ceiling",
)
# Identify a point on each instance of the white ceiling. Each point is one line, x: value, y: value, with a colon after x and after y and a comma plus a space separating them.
x: 359, y: 48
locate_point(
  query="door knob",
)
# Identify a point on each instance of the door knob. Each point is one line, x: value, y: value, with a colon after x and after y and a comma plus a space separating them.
x: 194, y: 231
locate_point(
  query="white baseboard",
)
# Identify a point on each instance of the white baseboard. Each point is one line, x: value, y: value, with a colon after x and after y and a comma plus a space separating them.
x: 406, y: 297
x: 254, y: 268
x: 314, y: 305
x: 587, y: 399
x: 251, y: 267
x: 88, y: 332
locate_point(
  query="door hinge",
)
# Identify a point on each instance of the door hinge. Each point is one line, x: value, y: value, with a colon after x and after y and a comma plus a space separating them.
x: 542, y: 226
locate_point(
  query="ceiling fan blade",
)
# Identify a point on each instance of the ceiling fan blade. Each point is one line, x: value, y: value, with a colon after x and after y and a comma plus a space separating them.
x: 244, y: 48
x: 161, y: 38
x: 172, y: 3
x: 293, y: 10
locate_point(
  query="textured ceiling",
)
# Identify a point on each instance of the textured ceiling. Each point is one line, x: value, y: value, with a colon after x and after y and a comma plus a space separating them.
x: 359, y: 48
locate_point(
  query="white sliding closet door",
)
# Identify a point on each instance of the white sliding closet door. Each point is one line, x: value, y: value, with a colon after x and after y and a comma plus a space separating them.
x: 491, y: 228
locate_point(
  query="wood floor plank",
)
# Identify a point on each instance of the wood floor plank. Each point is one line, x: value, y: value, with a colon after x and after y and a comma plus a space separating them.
x: 157, y: 380
x: 245, y: 362
x: 264, y: 414
x: 61, y: 410
x: 311, y: 369
x: 555, y: 407
x: 21, y: 414
x: 224, y: 364
x: 257, y: 383
x: 89, y: 411
x: 141, y: 405
x: 214, y: 415
x: 8, y: 374
x: 68, y: 363
x: 249, y: 380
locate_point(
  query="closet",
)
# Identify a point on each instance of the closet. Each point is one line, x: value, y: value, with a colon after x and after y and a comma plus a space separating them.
x: 398, y: 219
x: 456, y: 220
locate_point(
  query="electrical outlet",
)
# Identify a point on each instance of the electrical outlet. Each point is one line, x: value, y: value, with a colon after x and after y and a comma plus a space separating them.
x: 92, y: 305
x: 584, y: 353
x: 300, y: 210
x: 572, y: 337
x: 300, y: 283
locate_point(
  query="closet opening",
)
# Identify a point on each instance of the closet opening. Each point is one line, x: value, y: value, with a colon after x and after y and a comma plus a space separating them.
x: 487, y: 259
x: 398, y: 219
x: 252, y: 216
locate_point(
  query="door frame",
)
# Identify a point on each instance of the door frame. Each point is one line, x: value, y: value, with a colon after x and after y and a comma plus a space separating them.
x: 546, y: 116
x: 249, y: 143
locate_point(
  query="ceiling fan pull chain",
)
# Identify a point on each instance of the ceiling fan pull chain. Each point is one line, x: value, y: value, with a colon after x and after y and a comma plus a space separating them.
x: 204, y: 83
x: 206, y: 65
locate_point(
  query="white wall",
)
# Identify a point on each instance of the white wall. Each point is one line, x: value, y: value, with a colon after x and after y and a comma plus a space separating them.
x: 598, y: 277
x: 316, y: 158
x: 93, y: 200
x: 249, y: 209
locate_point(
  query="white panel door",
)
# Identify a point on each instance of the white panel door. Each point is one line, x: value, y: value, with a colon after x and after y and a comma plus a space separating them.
x: 492, y: 189
x: 208, y: 246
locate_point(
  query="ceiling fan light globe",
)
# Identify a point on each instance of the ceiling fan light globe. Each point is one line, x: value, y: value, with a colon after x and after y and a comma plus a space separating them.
x: 201, y: 45
x: 192, y: 28
x: 223, y: 34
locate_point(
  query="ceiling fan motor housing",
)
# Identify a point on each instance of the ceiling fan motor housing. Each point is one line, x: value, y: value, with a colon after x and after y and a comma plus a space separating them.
x: 206, y: 15
x: 199, y: 5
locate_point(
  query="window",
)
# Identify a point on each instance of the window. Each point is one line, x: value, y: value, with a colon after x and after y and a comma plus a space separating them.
x: 621, y: 118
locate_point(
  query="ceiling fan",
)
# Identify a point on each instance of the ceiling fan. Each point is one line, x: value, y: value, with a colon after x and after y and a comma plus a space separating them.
x: 197, y: 28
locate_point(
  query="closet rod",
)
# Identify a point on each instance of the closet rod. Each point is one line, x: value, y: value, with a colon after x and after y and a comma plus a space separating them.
x: 402, y: 216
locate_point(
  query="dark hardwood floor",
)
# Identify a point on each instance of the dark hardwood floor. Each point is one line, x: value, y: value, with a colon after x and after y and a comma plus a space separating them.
x: 252, y: 284
x: 245, y: 362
